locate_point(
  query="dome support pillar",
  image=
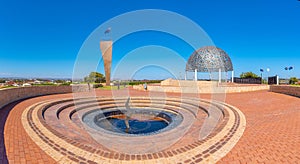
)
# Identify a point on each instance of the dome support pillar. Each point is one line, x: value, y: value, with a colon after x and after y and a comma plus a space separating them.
x: 232, y: 76
x: 220, y: 76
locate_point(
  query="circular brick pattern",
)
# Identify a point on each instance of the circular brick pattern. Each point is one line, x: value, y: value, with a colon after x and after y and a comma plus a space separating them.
x: 271, y: 134
x: 55, y: 126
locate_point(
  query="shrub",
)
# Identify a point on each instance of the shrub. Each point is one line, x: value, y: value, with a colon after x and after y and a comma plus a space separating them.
x: 144, y: 81
x: 97, y: 85
x: 248, y: 75
x: 66, y: 84
x: 293, y: 80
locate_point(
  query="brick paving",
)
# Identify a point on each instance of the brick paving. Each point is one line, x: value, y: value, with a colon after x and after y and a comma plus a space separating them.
x: 19, y: 146
x: 271, y: 134
x: 56, y: 144
x: 3, y: 117
x: 272, y: 130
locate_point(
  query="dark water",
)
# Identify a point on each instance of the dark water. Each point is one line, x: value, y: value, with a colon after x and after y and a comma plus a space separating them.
x: 136, y: 126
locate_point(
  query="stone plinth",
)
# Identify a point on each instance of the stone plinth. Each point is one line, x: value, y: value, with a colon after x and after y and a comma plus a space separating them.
x: 182, y: 86
x: 187, y: 83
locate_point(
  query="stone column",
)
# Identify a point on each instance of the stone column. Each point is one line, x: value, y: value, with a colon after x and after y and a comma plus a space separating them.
x: 196, y: 77
x: 232, y: 76
x: 106, y: 49
x: 220, y: 75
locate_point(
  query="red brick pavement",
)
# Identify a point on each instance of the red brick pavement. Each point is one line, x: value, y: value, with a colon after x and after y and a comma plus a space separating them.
x: 19, y: 146
x: 271, y: 135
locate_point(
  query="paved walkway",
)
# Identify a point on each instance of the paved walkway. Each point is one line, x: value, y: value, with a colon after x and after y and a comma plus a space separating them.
x: 271, y: 135
x: 19, y: 146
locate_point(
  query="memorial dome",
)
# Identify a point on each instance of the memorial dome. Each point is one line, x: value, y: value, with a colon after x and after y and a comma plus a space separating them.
x: 209, y: 59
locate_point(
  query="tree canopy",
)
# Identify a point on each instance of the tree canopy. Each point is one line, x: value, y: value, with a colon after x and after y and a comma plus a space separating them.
x: 248, y: 75
x: 95, y: 77
x: 293, y: 80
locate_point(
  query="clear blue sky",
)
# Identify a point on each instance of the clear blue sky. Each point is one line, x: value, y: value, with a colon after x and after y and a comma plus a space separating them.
x: 42, y: 38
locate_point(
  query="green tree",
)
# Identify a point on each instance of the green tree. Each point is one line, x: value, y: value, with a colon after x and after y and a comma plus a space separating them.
x: 293, y: 80
x: 248, y: 75
x: 59, y: 81
x: 95, y: 77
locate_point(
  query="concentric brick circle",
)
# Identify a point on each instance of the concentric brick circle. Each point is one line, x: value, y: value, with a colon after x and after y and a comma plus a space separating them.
x: 57, y: 128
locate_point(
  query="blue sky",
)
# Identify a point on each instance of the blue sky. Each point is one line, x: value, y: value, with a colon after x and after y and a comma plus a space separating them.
x: 43, y: 38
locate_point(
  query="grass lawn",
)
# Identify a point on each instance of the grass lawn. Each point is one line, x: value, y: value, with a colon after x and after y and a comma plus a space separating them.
x: 111, y: 87
x: 6, y: 87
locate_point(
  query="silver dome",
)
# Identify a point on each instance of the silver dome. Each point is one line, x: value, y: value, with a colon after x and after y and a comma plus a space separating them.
x: 209, y: 59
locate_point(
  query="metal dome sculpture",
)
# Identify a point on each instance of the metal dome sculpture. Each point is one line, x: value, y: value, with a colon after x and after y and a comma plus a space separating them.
x: 209, y: 59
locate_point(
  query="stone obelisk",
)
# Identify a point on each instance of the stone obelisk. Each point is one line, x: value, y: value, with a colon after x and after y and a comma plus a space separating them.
x: 106, y: 49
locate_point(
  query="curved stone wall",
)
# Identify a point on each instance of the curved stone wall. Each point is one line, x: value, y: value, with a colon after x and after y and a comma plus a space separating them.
x: 285, y: 89
x: 13, y: 94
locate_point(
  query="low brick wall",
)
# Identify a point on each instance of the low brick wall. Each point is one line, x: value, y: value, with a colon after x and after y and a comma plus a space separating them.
x: 236, y: 89
x: 285, y: 89
x: 13, y: 94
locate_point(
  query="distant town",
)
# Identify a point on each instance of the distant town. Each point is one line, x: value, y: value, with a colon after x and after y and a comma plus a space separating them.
x: 24, y: 82
x: 27, y: 82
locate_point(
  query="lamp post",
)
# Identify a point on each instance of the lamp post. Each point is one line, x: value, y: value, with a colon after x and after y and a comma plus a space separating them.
x: 289, y: 69
x: 261, y: 74
x: 268, y: 70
